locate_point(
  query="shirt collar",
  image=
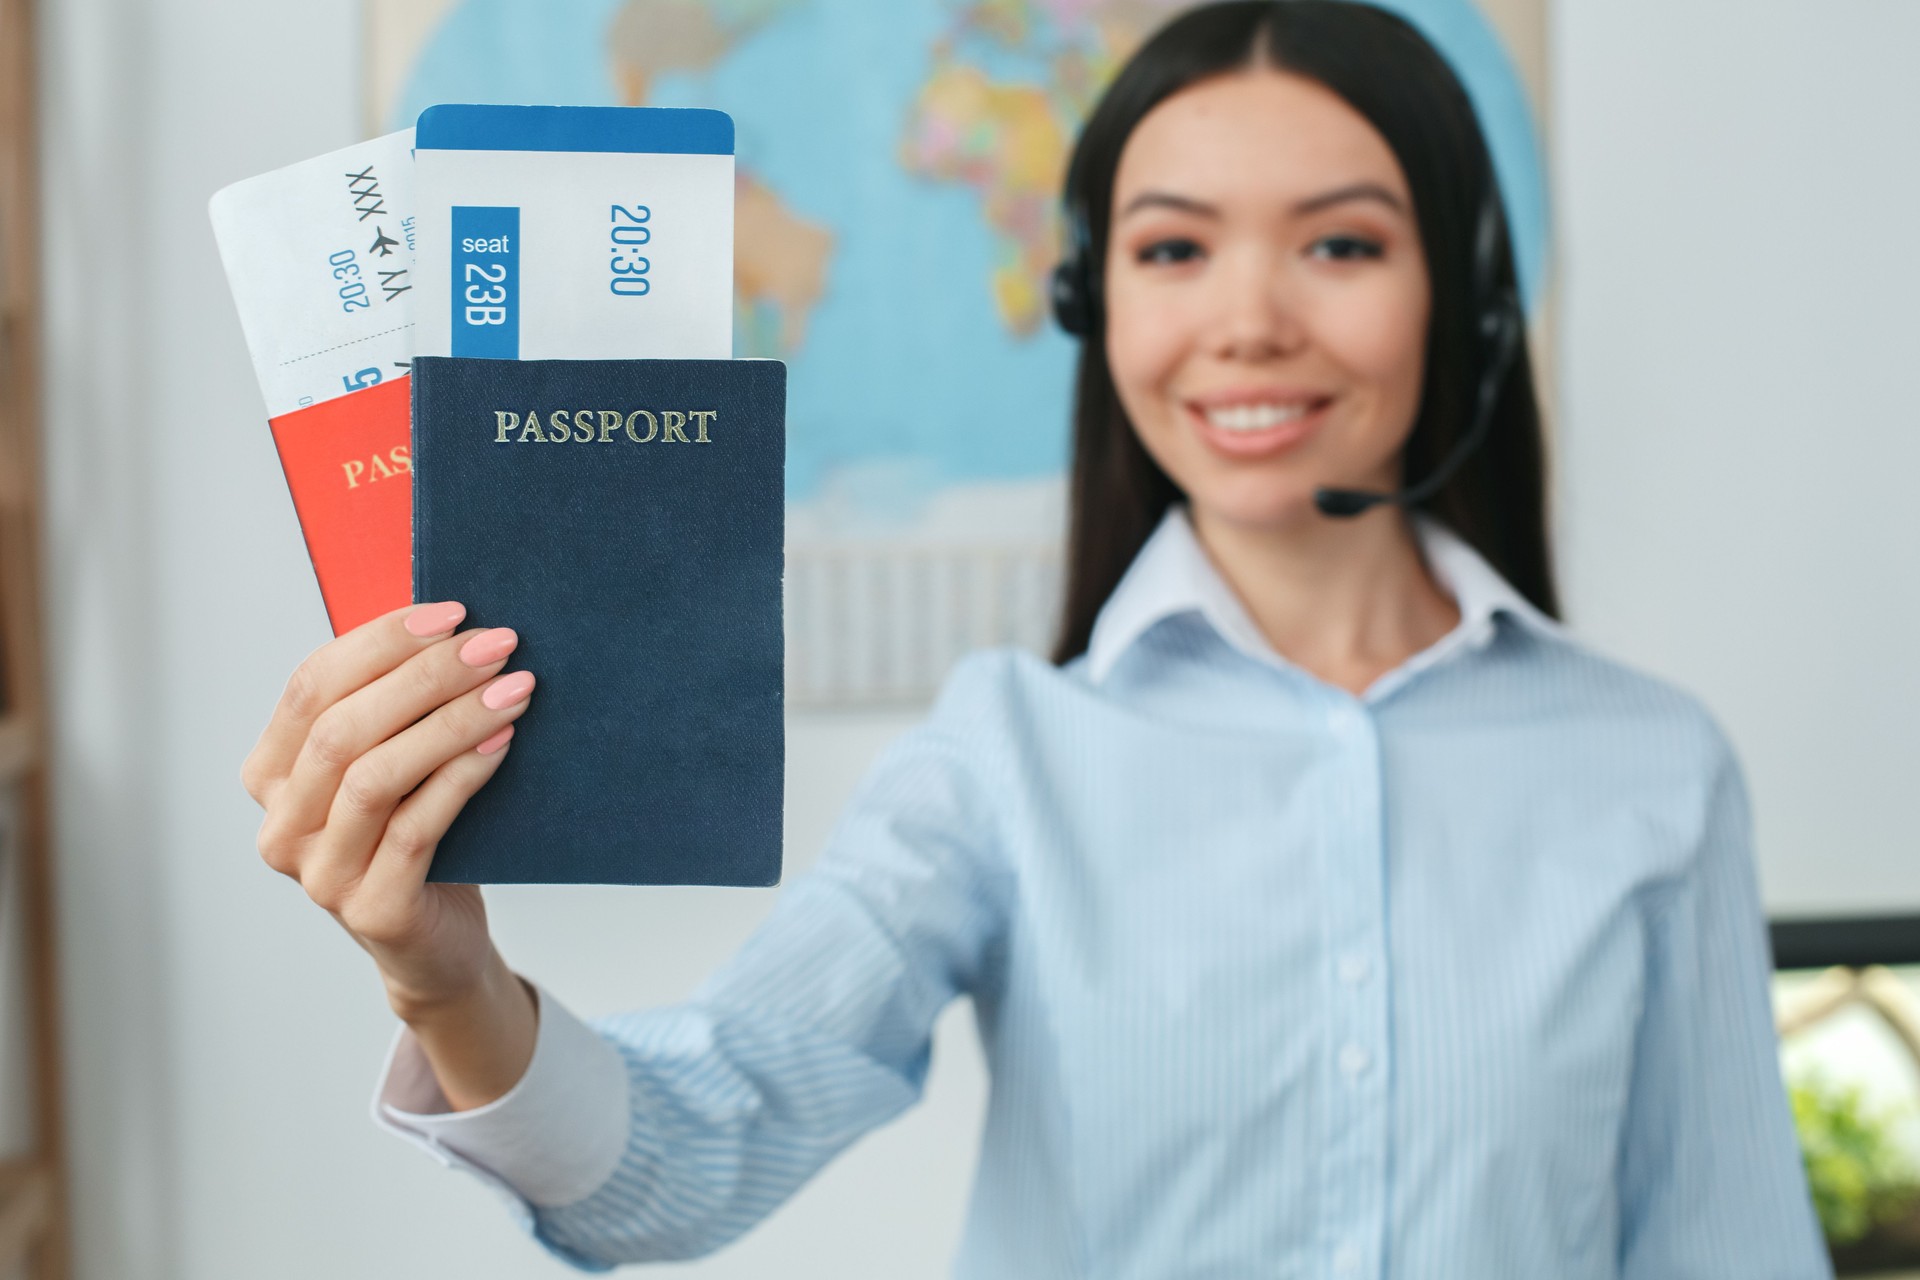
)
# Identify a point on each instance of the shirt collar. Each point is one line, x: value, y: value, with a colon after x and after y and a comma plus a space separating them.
x: 1173, y: 574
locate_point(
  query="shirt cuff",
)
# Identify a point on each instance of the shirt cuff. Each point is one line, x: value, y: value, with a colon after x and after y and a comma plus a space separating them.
x: 551, y: 1140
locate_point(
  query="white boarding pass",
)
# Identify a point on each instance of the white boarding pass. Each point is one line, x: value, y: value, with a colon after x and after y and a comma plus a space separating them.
x: 320, y: 258
x: 575, y: 232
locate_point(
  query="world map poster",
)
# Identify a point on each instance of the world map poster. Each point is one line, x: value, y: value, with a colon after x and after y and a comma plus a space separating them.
x: 896, y: 218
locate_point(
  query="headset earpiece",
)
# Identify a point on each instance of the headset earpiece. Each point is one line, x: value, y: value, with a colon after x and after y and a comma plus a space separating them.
x: 1070, y: 298
x: 1499, y: 309
x: 1486, y: 247
x: 1072, y: 289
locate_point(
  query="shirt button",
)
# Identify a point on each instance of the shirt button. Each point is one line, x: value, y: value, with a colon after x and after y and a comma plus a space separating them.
x: 1354, y: 1059
x: 1354, y: 969
x: 1347, y: 1258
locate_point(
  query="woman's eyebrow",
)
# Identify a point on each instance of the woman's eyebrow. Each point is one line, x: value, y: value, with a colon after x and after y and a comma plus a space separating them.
x: 1355, y: 191
x: 1167, y: 200
x: 1313, y: 204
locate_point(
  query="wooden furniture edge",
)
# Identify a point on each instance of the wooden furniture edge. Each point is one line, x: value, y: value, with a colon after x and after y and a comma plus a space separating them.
x: 25, y: 1203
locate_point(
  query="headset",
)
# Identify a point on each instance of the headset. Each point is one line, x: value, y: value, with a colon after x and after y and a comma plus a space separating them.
x: 1075, y: 292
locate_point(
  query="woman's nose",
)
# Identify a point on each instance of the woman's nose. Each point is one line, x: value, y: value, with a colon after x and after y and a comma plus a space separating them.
x: 1258, y: 317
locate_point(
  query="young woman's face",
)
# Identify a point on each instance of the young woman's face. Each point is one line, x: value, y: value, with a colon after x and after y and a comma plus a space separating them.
x: 1266, y: 296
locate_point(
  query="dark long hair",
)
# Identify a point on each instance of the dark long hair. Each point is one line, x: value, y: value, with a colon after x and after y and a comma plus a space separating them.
x: 1386, y: 71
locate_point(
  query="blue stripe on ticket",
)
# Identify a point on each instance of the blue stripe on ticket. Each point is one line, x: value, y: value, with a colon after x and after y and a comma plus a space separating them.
x: 670, y: 130
x: 486, y: 282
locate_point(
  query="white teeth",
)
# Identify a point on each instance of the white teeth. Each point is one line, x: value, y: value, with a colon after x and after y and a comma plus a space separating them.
x: 1254, y: 417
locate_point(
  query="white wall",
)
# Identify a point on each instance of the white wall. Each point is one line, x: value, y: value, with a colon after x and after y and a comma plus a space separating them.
x: 1737, y: 193
x: 1737, y: 260
x: 223, y: 1033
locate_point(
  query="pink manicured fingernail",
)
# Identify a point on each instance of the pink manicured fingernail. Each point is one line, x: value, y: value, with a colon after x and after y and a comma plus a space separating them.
x: 436, y: 619
x: 507, y: 690
x: 496, y: 742
x: 488, y: 646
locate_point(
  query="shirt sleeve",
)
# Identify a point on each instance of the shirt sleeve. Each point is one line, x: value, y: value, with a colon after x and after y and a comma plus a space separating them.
x: 1711, y: 1181
x: 550, y: 1140
x: 818, y: 1030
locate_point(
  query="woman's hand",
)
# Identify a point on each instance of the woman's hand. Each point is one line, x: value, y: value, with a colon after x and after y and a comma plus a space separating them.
x: 381, y: 736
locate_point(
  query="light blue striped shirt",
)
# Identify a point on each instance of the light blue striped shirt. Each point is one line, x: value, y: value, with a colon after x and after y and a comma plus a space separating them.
x: 1464, y: 977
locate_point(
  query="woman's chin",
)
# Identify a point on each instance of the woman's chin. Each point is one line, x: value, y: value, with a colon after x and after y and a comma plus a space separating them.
x: 1265, y: 509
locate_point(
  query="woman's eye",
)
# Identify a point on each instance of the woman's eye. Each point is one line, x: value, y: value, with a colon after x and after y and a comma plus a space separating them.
x: 1346, y: 248
x: 1169, y: 251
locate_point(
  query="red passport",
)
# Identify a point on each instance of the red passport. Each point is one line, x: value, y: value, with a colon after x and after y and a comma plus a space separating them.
x: 349, y: 467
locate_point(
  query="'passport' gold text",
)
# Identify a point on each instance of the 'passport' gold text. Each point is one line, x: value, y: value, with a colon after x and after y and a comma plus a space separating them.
x: 604, y: 426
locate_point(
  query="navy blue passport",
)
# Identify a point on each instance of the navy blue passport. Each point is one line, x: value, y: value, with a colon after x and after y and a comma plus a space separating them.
x: 626, y: 518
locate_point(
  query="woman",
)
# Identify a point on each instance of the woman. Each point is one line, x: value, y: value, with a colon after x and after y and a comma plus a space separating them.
x: 1327, y: 911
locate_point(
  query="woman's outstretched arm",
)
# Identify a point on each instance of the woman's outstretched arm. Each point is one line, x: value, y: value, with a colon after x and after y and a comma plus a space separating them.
x: 379, y: 740
x: 665, y: 1133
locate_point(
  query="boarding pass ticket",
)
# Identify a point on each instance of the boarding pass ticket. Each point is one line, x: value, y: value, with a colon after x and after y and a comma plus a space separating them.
x: 320, y: 258
x: 575, y: 232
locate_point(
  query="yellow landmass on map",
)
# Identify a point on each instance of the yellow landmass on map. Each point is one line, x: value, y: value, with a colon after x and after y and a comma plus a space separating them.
x: 650, y: 37
x: 779, y: 259
x: 1006, y: 142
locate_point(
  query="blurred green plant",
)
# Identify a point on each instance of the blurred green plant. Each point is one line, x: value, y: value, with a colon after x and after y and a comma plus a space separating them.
x: 1860, y: 1175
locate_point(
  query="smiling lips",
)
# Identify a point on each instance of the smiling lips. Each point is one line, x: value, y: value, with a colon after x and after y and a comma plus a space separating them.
x: 1247, y: 425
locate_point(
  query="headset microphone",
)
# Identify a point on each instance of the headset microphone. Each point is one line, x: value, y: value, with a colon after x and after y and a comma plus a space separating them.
x: 1500, y: 327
